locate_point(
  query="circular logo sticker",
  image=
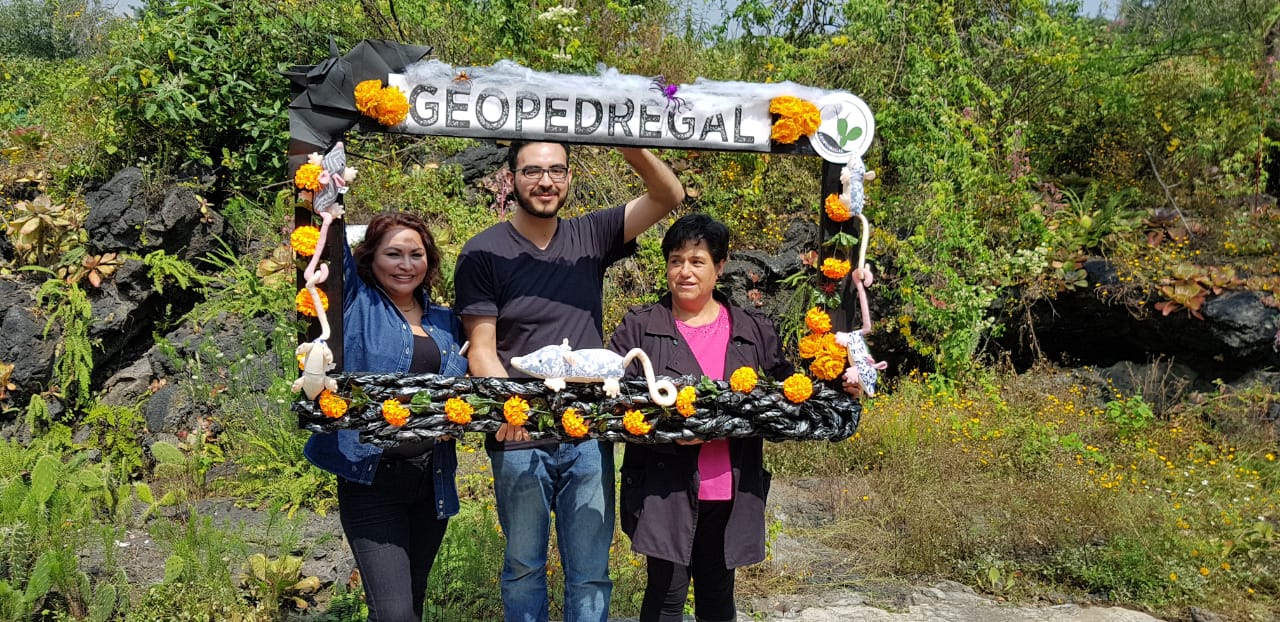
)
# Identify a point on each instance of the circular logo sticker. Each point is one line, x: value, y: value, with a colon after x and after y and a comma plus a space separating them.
x: 846, y: 129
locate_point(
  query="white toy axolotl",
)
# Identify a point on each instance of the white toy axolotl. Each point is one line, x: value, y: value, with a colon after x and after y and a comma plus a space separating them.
x: 559, y: 364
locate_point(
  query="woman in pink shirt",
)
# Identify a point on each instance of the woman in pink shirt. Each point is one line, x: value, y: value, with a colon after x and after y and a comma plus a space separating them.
x: 680, y: 502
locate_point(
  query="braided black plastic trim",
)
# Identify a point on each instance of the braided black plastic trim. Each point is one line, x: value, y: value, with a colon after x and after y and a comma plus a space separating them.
x: 829, y: 414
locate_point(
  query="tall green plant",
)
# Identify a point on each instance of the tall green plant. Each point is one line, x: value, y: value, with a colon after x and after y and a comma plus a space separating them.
x: 68, y: 307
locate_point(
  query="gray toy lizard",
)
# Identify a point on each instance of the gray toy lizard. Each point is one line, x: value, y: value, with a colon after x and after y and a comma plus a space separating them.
x: 558, y: 364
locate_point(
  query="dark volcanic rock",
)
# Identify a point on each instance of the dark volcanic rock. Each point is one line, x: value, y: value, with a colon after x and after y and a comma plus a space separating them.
x: 22, y: 340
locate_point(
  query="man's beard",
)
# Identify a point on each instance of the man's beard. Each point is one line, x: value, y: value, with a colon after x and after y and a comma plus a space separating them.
x: 527, y: 206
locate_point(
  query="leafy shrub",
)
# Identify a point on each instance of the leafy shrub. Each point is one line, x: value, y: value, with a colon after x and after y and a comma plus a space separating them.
x: 198, y: 82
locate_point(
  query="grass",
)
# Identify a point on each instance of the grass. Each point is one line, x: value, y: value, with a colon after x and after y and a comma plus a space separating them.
x: 1033, y: 484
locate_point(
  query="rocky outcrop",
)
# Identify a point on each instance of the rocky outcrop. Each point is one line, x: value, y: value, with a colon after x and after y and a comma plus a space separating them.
x: 1086, y: 327
x: 125, y: 215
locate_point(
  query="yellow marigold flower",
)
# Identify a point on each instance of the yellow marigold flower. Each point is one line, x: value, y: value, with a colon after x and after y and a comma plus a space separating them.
x: 635, y: 423
x: 302, y: 361
x: 573, y: 423
x: 1173, y: 576
x: 836, y: 210
x: 307, y: 177
x: 831, y: 349
x: 331, y: 405
x: 304, y: 240
x: 458, y: 411
x: 367, y: 95
x: 394, y: 412
x: 826, y: 367
x: 743, y: 380
x: 796, y: 118
x: 808, y: 118
x: 515, y: 410
x: 797, y: 388
x: 811, y: 345
x: 833, y: 268
x: 684, y: 401
x: 387, y: 106
x: 817, y: 320
x: 786, y: 131
x: 392, y: 107
x: 783, y: 105
x: 306, y: 306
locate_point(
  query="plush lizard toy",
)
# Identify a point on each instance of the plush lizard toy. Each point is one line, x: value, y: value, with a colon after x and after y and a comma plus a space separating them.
x: 558, y: 364
x: 863, y: 368
x: 315, y: 356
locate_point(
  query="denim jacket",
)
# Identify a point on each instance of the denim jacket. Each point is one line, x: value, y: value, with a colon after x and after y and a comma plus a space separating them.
x: 377, y: 339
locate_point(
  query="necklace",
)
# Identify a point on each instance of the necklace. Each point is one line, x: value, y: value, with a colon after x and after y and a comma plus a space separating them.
x: 410, y: 309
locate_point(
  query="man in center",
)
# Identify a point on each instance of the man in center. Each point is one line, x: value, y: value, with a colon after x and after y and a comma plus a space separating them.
x: 533, y: 281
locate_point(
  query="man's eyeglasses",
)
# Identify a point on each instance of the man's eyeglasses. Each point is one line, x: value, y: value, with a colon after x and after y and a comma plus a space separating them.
x: 558, y: 173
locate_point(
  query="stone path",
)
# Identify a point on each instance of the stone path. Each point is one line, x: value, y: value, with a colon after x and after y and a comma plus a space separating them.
x: 945, y: 602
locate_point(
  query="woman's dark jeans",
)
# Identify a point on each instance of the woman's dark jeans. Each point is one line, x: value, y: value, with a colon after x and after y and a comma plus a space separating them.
x: 668, y: 586
x: 392, y: 528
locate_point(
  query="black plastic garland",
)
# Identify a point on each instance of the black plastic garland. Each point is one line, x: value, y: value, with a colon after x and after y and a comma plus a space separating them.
x: 828, y: 414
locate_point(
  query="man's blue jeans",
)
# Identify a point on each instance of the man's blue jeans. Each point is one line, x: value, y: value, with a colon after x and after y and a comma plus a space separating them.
x: 576, y: 482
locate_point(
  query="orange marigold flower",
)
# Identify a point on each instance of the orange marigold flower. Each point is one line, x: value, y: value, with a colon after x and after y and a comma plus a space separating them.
x: 386, y: 105
x: 394, y: 412
x: 684, y: 401
x: 808, y: 118
x: 307, y: 177
x: 331, y: 405
x: 811, y: 345
x: 393, y: 106
x: 783, y: 105
x: 836, y: 210
x: 458, y: 411
x: 826, y: 367
x: 797, y: 388
x: 306, y: 306
x: 515, y: 410
x: 304, y: 240
x: 743, y: 380
x: 785, y: 131
x: 818, y: 321
x: 367, y: 95
x: 833, y: 268
x: 573, y: 423
x: 635, y: 423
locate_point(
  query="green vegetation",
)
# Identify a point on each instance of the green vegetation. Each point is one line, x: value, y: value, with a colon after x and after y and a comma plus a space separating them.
x: 1015, y: 140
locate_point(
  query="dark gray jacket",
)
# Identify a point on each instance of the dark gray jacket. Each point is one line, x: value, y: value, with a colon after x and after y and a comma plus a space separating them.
x: 659, y: 497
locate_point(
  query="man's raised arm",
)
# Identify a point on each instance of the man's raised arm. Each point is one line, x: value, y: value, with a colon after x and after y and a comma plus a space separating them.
x: 663, y: 191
